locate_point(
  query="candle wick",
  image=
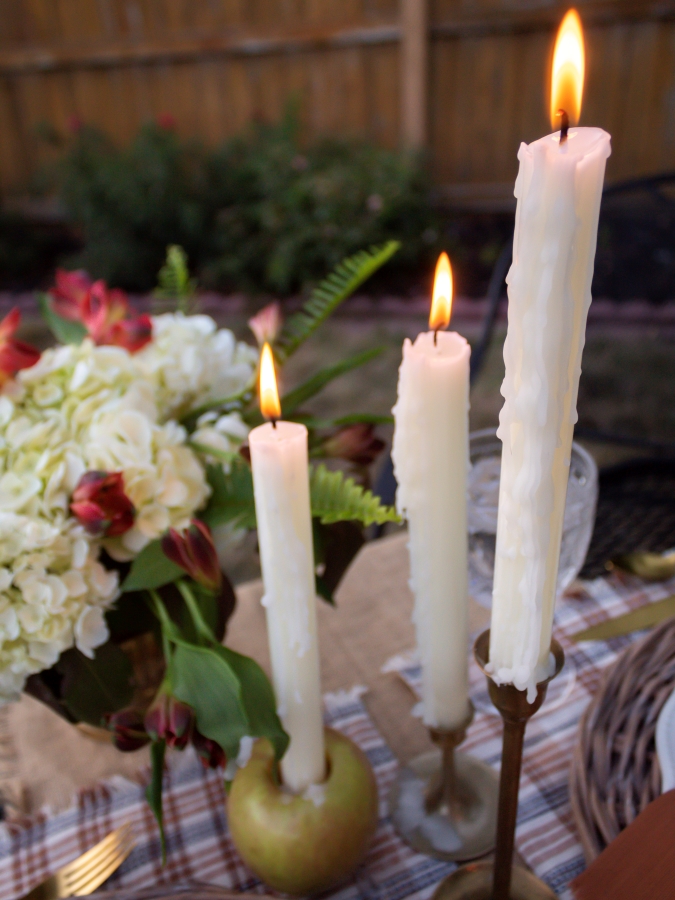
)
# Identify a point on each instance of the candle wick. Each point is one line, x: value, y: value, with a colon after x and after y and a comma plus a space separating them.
x: 435, y: 336
x: 564, y: 125
x: 274, y: 423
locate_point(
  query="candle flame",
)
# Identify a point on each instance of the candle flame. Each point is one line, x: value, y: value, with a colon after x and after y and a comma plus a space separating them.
x: 567, y: 81
x: 441, y: 302
x: 269, y: 395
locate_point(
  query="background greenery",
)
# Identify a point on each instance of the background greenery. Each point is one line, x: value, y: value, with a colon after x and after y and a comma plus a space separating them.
x: 257, y: 214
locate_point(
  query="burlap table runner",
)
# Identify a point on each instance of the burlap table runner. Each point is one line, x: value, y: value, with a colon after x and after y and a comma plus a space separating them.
x: 44, y: 761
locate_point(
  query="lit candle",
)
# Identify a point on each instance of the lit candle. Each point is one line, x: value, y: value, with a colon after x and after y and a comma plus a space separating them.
x: 559, y: 187
x: 431, y: 460
x: 281, y: 486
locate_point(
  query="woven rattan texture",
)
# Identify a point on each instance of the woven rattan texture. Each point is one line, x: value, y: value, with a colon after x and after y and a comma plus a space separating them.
x: 615, y: 771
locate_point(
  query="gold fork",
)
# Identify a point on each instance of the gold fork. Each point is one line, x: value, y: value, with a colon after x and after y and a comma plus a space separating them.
x: 84, y: 874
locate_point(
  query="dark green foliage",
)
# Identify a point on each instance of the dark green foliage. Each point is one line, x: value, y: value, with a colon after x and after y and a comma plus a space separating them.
x: 259, y: 213
x: 130, y: 204
x: 92, y: 687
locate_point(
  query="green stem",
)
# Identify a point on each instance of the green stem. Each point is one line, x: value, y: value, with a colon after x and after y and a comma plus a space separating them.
x: 195, y: 612
x: 166, y: 625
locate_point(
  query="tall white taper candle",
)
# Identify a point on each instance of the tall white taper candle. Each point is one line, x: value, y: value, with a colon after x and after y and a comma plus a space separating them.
x: 559, y: 187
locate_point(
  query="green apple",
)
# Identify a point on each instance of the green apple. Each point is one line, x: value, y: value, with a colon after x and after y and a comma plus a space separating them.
x: 299, y: 844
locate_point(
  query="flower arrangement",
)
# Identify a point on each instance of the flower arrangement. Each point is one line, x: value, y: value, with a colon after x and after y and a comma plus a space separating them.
x: 122, y: 451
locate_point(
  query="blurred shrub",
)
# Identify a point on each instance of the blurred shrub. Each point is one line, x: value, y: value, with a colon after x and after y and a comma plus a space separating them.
x: 259, y: 213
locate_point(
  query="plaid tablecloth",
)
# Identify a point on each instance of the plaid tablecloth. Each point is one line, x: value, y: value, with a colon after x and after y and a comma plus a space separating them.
x: 198, y: 843
x: 199, y: 846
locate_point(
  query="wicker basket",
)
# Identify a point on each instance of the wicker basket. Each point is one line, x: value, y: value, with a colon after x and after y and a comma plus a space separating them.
x: 615, y: 772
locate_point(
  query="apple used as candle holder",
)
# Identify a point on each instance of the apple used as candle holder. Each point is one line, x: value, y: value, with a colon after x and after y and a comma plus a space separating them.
x: 304, y: 843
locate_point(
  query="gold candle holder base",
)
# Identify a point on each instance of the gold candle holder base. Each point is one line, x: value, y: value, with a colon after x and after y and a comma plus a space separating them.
x: 476, y: 880
x: 498, y: 880
x: 446, y: 806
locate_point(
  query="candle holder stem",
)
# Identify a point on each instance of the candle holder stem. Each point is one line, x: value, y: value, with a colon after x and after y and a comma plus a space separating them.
x: 509, y: 780
x: 499, y: 880
x: 446, y: 807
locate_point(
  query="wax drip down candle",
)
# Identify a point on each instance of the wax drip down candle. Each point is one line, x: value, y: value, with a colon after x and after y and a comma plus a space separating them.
x: 558, y: 189
x: 279, y: 461
x: 431, y: 458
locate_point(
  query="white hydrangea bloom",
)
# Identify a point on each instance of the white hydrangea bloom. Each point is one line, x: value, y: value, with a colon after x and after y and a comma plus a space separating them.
x: 162, y: 477
x: 192, y: 363
x: 80, y: 408
x: 53, y: 593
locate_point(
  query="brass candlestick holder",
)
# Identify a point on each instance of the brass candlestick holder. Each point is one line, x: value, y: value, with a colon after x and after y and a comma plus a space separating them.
x: 446, y: 806
x: 499, y: 880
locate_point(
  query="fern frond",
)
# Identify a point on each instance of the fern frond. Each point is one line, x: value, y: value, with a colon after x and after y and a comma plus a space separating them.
x: 340, y: 284
x: 174, y: 279
x: 335, y: 498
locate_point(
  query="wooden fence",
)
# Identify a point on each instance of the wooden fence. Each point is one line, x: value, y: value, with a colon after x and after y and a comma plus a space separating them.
x: 464, y: 78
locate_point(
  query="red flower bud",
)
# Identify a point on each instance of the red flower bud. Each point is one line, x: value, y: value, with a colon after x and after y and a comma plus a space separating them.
x: 128, y: 729
x: 194, y: 551
x: 170, y: 719
x: 211, y: 754
x: 266, y: 324
x: 14, y: 354
x: 356, y: 443
x: 100, y: 504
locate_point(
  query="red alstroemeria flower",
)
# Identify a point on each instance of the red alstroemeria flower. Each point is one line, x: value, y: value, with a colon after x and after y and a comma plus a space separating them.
x: 211, y: 754
x: 104, y: 312
x: 106, y: 316
x: 100, y: 504
x: 128, y: 729
x: 194, y: 551
x: 69, y: 294
x: 14, y: 354
x: 169, y: 719
x: 266, y: 324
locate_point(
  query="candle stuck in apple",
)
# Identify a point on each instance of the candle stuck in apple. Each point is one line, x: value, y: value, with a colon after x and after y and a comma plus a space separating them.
x: 279, y: 460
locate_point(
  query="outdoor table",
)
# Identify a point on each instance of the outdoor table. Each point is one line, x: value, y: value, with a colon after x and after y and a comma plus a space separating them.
x: 370, y: 625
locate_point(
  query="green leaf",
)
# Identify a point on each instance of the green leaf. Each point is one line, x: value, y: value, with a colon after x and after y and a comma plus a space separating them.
x: 151, y: 569
x: 204, y: 679
x: 93, y: 687
x: 230, y: 693
x: 64, y: 330
x: 335, y: 498
x: 258, y: 698
x: 340, y: 284
x: 153, y: 792
x: 231, y: 495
